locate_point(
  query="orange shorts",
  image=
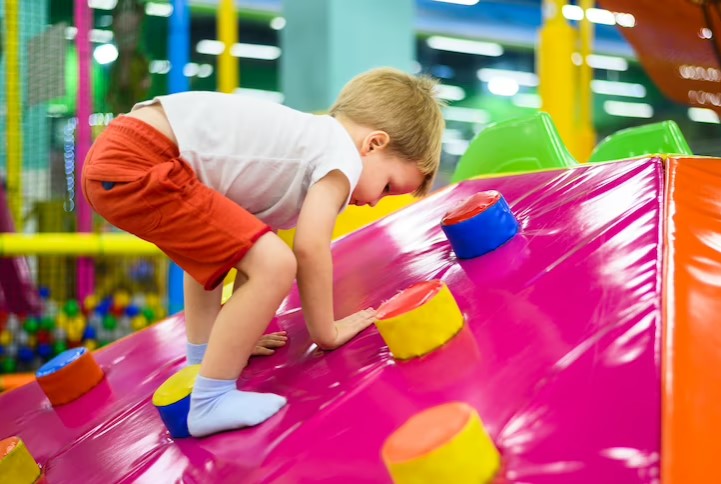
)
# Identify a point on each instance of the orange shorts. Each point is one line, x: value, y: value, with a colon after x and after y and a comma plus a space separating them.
x: 134, y: 177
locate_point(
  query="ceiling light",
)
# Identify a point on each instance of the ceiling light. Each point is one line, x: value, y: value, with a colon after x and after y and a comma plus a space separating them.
x: 628, y: 110
x: 451, y: 93
x: 278, y: 23
x: 248, y: 51
x: 105, y: 54
x: 615, y: 88
x: 158, y: 9
x: 527, y: 100
x: 102, y: 4
x: 503, y: 86
x: 703, y: 115
x: 465, y: 115
x: 528, y: 79
x: 465, y: 46
x: 460, y: 2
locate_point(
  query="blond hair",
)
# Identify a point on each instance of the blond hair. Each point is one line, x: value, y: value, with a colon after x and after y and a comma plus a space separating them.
x: 405, y: 107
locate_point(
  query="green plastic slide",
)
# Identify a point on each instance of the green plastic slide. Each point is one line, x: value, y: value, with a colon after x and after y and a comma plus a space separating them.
x: 664, y: 138
x: 517, y: 145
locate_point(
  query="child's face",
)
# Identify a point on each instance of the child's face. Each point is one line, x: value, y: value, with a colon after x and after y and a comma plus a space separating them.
x: 384, y: 174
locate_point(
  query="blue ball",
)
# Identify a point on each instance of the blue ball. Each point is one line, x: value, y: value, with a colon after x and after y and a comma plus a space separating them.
x: 45, y: 350
x: 26, y: 354
x: 90, y: 332
x: 132, y: 311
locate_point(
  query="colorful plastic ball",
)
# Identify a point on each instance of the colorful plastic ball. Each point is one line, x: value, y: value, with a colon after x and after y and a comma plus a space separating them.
x: 91, y: 344
x: 132, y: 311
x: 62, y: 320
x: 121, y: 299
x: 44, y: 292
x: 138, y: 323
x: 26, y: 354
x: 152, y: 300
x: 59, y: 347
x: 109, y: 322
x: 45, y: 350
x: 71, y: 308
x: 31, y: 325
x: 44, y: 337
x: 6, y: 337
x: 149, y: 314
x: 91, y: 302
x: 9, y: 365
x: 90, y: 333
x: 47, y: 323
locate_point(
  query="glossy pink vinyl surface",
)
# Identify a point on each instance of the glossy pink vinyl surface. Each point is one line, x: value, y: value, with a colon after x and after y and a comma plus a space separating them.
x: 560, y: 354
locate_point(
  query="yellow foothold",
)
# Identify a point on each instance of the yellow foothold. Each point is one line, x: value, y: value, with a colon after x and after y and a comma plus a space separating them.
x: 172, y: 400
x: 16, y: 463
x: 446, y: 443
x: 177, y: 387
x: 419, y: 319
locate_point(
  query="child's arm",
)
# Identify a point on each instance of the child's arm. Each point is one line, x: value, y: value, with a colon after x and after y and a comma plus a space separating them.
x: 315, y: 265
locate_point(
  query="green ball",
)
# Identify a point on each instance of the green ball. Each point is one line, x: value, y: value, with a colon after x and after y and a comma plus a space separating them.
x: 149, y: 315
x: 9, y: 365
x: 31, y: 325
x: 109, y: 322
x: 59, y: 347
x: 72, y: 308
x: 47, y: 323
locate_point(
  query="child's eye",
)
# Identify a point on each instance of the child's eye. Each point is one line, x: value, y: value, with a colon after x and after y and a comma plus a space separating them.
x: 387, y: 189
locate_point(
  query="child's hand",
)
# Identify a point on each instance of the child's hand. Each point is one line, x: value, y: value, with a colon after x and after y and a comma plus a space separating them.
x: 266, y: 344
x: 351, y: 325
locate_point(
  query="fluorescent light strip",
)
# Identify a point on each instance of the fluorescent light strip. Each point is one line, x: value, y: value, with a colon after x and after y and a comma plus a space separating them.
x: 468, y: 3
x: 528, y: 79
x: 96, y: 35
x: 628, y: 110
x: 703, y: 115
x: 450, y: 44
x: 527, y: 100
x: 466, y: 115
x: 503, y: 86
x: 102, y: 4
x: 615, y: 88
x: 599, y: 16
x: 456, y: 147
x: 610, y: 63
x: 248, y: 51
x: 451, y: 93
x: 158, y: 9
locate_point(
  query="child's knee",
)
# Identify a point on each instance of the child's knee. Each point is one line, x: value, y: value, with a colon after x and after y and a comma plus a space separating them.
x: 270, y: 259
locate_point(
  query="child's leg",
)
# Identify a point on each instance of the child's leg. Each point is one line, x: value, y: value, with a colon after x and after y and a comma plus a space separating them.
x: 201, y: 310
x: 216, y: 405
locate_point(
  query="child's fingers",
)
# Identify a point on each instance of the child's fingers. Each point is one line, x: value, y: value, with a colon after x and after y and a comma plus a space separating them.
x: 272, y: 343
x: 262, y: 351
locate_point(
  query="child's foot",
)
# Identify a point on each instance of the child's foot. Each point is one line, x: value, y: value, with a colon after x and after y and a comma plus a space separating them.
x: 216, y: 405
x: 194, y: 353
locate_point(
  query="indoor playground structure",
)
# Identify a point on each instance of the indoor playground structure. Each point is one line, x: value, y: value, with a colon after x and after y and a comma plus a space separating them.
x: 546, y: 316
x: 518, y: 313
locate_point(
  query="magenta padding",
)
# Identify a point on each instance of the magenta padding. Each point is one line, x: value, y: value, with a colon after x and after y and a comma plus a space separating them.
x: 560, y: 354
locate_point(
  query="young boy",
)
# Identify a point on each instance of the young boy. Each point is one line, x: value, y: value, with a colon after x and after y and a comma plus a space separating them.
x: 208, y: 176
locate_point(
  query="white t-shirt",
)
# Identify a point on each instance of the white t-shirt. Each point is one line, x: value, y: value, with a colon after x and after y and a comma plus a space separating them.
x: 262, y: 155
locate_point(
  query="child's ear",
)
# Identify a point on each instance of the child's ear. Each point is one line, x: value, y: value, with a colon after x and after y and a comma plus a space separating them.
x: 375, y: 140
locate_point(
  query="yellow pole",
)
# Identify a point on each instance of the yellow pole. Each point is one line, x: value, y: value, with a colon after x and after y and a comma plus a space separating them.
x: 227, y: 22
x: 14, y: 130
x: 78, y: 244
x: 557, y: 75
x: 586, y: 133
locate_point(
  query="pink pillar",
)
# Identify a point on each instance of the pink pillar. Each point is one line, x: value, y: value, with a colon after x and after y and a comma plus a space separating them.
x: 83, y: 16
